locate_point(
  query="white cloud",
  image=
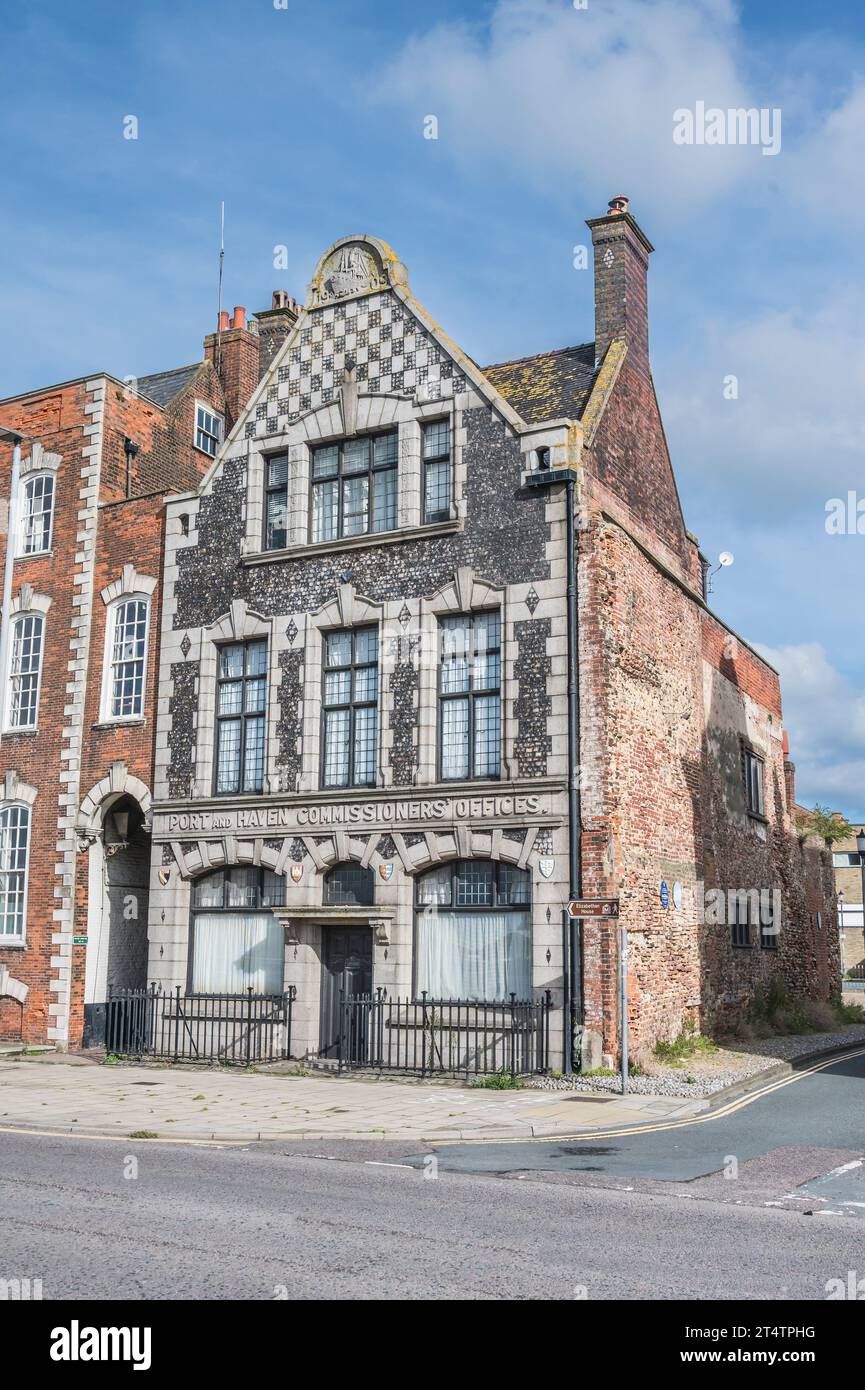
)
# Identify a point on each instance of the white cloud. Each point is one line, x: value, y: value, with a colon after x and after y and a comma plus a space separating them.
x: 555, y: 97
x: 825, y: 174
x: 552, y: 94
x: 795, y: 436
x: 825, y: 719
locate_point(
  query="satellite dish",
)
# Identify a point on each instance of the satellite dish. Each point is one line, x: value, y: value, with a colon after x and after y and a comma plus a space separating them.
x: 725, y: 558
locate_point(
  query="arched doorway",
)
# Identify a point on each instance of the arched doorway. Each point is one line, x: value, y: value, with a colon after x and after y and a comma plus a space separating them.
x: 118, y: 893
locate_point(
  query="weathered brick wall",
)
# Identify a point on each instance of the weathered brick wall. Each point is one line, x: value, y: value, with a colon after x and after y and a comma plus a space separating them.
x: 741, y: 666
x: 57, y: 418
x: 168, y: 459
x: 742, y: 702
x: 641, y: 761
x: 663, y: 798
x: 628, y: 470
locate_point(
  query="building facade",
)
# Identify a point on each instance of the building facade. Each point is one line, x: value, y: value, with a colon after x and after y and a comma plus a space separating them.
x: 849, y: 883
x: 364, y: 773
x: 98, y: 457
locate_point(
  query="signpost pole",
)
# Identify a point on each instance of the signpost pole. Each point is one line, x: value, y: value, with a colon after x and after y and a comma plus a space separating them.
x: 567, y: 1024
x: 624, y: 1007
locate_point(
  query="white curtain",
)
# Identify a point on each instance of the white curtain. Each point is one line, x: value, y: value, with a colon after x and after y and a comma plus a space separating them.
x: 474, y: 955
x: 233, y: 950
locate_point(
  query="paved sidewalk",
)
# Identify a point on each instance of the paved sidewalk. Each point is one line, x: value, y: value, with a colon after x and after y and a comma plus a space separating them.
x: 70, y: 1095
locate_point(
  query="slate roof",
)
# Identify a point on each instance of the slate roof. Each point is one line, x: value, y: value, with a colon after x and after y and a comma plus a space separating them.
x: 162, y: 387
x: 549, y: 386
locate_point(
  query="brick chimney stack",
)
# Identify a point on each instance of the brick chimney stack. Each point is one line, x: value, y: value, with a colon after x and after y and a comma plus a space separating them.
x: 621, y: 291
x: 234, y: 351
x: 274, y: 326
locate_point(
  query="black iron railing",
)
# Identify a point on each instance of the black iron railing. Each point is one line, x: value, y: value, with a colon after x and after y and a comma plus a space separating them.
x: 448, y: 1036
x: 243, y: 1028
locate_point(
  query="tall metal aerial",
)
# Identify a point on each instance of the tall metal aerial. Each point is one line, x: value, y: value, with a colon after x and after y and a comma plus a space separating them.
x: 219, y: 292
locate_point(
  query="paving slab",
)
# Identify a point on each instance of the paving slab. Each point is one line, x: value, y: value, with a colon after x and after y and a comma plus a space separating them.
x: 48, y: 1094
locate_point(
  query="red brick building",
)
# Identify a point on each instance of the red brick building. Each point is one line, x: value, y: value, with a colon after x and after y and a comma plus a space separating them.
x: 98, y: 456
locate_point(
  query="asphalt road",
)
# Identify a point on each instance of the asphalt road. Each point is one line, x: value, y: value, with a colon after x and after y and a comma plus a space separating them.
x: 801, y: 1145
x: 760, y: 1204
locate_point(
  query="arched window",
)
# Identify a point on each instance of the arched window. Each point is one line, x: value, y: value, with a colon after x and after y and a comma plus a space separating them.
x: 349, y: 885
x: 126, y: 658
x: 14, y: 841
x: 474, y: 933
x: 235, y: 940
x: 25, y: 665
x: 37, y: 514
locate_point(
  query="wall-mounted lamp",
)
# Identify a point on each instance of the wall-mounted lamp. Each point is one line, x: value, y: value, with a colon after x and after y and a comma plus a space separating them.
x: 116, y: 835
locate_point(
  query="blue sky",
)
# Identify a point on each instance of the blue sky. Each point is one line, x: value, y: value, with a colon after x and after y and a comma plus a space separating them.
x: 308, y: 121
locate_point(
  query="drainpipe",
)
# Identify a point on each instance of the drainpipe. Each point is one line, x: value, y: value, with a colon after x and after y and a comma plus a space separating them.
x: 572, y: 962
x: 11, y: 535
x: 574, y: 1018
x: 131, y: 449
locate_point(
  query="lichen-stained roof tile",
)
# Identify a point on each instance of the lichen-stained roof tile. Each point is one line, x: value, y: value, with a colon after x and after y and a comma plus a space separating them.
x: 549, y: 386
x: 162, y: 387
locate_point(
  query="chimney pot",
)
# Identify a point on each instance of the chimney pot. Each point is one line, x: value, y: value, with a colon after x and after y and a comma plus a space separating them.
x: 223, y: 320
x: 619, y: 204
x: 279, y: 299
x: 238, y: 318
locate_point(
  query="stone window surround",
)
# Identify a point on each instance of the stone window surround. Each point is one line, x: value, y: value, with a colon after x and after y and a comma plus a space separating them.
x: 130, y: 585
x: 37, y: 462
x: 347, y: 846
x: 15, y: 792
x: 25, y: 602
x: 437, y: 847
x: 467, y: 592
x: 238, y: 625
x: 24, y: 479
x: 348, y: 610
x: 325, y: 425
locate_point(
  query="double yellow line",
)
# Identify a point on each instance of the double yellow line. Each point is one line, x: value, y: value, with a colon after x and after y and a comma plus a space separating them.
x: 719, y: 1114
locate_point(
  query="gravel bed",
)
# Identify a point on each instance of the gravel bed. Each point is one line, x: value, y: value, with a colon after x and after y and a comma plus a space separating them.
x: 711, y: 1074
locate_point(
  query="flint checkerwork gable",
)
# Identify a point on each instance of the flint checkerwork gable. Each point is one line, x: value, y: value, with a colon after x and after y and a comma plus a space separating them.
x: 505, y: 536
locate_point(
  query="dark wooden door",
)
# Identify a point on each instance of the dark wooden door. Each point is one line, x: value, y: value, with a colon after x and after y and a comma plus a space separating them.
x: 346, y: 969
